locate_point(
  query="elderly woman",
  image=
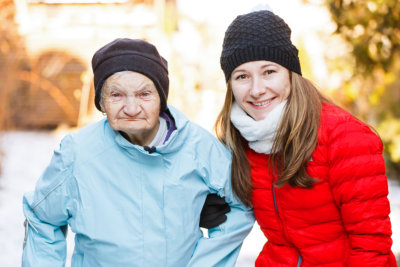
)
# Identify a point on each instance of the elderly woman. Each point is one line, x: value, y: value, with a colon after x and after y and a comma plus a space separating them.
x: 132, y: 186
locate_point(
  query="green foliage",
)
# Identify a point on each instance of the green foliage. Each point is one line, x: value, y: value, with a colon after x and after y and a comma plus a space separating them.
x: 372, y: 29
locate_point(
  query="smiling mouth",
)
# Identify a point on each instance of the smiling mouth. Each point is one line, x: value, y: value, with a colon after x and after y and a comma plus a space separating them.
x: 264, y: 103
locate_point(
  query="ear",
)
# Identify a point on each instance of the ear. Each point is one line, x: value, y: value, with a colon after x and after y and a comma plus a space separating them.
x: 102, y: 93
x: 103, y: 108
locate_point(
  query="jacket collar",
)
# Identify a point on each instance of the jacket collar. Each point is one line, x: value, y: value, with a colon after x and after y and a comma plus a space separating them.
x: 174, y: 143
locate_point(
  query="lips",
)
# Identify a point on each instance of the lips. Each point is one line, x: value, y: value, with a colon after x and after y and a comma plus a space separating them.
x: 262, y: 103
x: 130, y: 119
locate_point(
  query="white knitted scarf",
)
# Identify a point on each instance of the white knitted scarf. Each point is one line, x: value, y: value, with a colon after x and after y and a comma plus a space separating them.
x: 259, y: 134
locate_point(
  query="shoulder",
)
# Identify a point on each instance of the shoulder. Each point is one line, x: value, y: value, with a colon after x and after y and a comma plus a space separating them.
x: 196, y: 137
x: 344, y: 135
x: 92, y: 139
x: 211, y: 157
x: 207, y: 141
x: 184, y: 124
x: 332, y: 115
x: 337, y: 123
x: 91, y: 130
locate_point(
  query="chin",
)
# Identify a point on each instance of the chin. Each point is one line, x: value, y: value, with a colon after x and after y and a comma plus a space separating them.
x: 258, y: 118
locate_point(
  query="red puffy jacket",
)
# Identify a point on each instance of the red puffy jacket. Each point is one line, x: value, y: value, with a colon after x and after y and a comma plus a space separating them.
x: 344, y: 219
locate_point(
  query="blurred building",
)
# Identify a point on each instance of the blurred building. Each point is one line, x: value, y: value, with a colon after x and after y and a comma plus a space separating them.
x: 60, y: 39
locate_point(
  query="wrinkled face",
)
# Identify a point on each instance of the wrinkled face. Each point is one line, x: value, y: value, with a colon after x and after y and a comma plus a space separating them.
x: 132, y: 105
x: 259, y: 86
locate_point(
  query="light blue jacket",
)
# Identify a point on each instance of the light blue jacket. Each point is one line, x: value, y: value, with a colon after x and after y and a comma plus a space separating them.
x: 131, y: 208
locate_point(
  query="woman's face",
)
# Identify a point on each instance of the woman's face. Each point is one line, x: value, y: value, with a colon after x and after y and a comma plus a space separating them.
x: 132, y: 105
x: 259, y: 86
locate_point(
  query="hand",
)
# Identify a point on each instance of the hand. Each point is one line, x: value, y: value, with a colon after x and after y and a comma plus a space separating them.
x: 213, y: 212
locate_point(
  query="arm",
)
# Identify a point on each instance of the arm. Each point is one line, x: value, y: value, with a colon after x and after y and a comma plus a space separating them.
x: 224, y: 242
x: 47, y: 211
x: 359, y: 186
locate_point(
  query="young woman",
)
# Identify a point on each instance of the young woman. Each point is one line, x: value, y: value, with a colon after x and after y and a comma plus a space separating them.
x: 313, y: 173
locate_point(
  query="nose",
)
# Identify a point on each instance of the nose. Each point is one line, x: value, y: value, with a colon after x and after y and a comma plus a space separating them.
x: 257, y: 87
x: 131, y: 107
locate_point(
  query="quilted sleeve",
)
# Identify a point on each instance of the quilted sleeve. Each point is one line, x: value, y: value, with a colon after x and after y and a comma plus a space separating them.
x: 359, y: 186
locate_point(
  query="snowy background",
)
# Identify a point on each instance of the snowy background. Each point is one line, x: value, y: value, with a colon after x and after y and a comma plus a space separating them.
x: 26, y: 154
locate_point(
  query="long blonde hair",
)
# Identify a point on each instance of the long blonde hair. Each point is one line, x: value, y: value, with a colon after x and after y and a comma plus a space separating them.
x: 293, y: 146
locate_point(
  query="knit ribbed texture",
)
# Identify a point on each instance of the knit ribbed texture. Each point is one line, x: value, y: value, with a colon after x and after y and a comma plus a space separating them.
x: 130, y: 55
x: 259, y: 35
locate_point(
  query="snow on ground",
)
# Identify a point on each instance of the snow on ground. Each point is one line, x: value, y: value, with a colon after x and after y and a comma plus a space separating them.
x: 26, y: 154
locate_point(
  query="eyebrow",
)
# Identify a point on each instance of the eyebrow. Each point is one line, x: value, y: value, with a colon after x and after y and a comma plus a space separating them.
x: 118, y: 88
x: 262, y: 66
x: 238, y: 70
x: 110, y: 88
x: 146, y: 87
x: 269, y: 65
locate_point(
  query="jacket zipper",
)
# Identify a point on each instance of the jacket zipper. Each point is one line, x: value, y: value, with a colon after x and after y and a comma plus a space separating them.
x: 279, y: 217
x: 299, y: 261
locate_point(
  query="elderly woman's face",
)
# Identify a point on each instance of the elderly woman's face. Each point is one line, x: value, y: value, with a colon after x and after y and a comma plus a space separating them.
x: 132, y: 105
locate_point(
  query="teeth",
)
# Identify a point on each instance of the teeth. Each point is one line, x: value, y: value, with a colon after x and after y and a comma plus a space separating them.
x: 262, y: 103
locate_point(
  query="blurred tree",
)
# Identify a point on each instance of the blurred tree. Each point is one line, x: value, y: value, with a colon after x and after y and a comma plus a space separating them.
x: 371, y: 28
x: 12, y: 55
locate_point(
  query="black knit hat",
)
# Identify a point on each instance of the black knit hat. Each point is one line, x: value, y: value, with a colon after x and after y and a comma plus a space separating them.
x: 259, y: 35
x: 130, y: 55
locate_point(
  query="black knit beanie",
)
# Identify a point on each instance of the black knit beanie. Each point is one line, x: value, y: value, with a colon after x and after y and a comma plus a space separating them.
x: 259, y: 35
x: 130, y: 55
